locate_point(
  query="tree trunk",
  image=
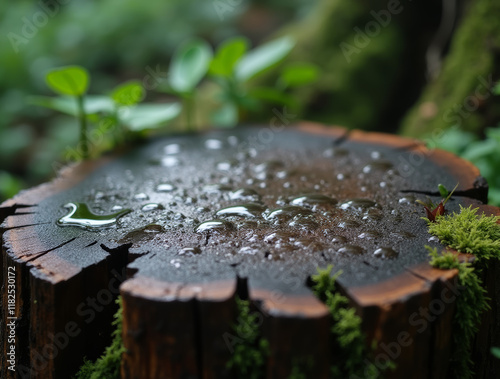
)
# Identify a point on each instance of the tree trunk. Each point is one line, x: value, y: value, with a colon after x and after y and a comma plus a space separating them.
x: 180, y: 273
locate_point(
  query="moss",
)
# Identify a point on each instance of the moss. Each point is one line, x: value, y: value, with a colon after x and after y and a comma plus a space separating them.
x: 108, y: 365
x: 469, y: 64
x: 250, y: 352
x: 468, y: 233
x: 471, y: 302
x: 350, y: 347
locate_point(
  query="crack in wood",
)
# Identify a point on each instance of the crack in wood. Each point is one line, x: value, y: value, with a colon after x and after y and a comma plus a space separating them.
x: 38, y: 255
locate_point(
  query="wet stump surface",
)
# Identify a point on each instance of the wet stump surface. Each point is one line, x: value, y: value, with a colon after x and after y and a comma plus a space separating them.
x: 182, y: 225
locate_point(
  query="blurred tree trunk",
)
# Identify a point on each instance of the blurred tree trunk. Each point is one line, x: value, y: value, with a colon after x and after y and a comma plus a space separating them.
x: 371, y: 54
x: 462, y: 93
x: 375, y: 61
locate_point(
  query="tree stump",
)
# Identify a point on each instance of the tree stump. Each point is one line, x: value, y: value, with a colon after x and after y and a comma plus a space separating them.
x: 182, y: 225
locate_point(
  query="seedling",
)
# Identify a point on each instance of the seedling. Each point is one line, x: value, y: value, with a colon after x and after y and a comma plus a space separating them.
x: 188, y: 67
x: 233, y: 67
x: 434, y: 210
x: 120, y: 108
x: 73, y: 81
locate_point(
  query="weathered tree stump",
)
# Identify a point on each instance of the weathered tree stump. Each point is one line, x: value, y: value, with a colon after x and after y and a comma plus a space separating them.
x: 285, y: 203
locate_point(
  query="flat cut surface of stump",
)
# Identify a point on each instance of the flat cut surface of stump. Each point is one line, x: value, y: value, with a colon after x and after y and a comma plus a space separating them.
x: 249, y: 211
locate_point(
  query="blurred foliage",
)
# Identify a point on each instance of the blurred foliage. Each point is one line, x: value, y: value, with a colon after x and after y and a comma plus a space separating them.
x: 484, y: 153
x: 115, y: 40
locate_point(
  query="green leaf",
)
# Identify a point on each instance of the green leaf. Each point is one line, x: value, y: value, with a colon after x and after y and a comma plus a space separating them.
x: 92, y: 104
x: 226, y: 116
x: 228, y: 54
x: 69, y: 80
x: 149, y: 116
x: 443, y: 191
x: 189, y: 65
x: 299, y: 74
x: 263, y: 57
x: 496, y: 89
x: 272, y: 95
x: 496, y: 352
x: 128, y: 93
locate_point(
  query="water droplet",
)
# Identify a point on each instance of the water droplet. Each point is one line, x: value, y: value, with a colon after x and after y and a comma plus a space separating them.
x: 308, y: 243
x: 386, y: 253
x: 141, y: 197
x: 190, y: 251
x: 377, y: 166
x: 303, y: 223
x: 278, y: 237
x: 288, y: 212
x: 340, y: 176
x: 214, y: 226
x: 173, y: 148
x: 407, y: 199
x: 313, y: 200
x: 81, y: 215
x: 375, y: 154
x: 169, y: 161
x: 151, y: 207
x: 226, y: 165
x: 351, y: 249
x: 248, y: 250
x: 370, y: 234
x: 244, y: 194
x: 346, y: 224
x: 117, y: 208
x: 339, y: 239
x: 335, y: 152
x: 358, y: 204
x: 142, y: 233
x: 176, y: 263
x: 244, y: 210
x: 268, y: 166
x: 373, y: 214
x: 216, y: 188
x: 213, y: 144
x: 248, y: 225
x: 165, y: 187
x: 403, y: 234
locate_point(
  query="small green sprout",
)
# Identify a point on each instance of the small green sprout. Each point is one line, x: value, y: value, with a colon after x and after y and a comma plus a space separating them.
x: 73, y: 81
x: 188, y: 67
x: 234, y: 66
x: 434, y: 210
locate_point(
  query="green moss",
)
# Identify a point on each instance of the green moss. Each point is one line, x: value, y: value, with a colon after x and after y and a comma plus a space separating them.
x: 251, y: 351
x: 468, y: 233
x: 469, y: 64
x: 349, y: 341
x: 108, y: 365
x: 471, y: 302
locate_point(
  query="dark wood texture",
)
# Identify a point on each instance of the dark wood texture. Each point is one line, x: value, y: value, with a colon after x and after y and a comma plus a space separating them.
x: 179, y: 305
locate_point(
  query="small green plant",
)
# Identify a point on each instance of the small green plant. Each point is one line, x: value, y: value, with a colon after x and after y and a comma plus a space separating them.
x: 434, y: 210
x: 189, y: 65
x: 470, y: 304
x: 469, y: 233
x: 250, y: 353
x: 346, y: 330
x: 73, y: 81
x: 108, y: 365
x: 234, y: 66
x: 118, y: 114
